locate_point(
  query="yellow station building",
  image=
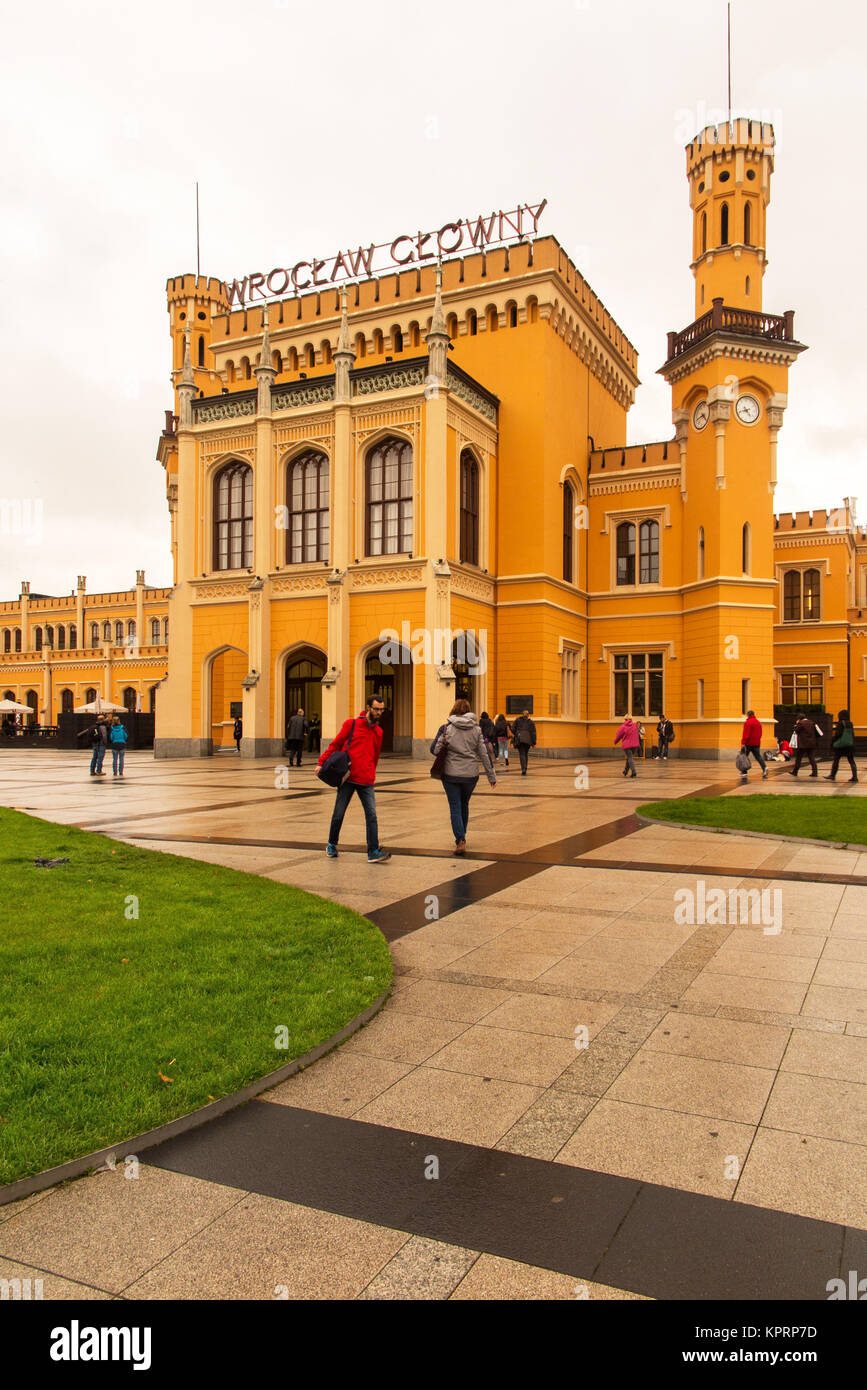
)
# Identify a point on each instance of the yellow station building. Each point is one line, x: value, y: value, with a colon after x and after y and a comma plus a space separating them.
x: 435, y: 460
x: 60, y: 652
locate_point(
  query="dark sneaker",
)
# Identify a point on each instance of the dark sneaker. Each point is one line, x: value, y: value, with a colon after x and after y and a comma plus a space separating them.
x: 379, y: 856
x: 331, y: 851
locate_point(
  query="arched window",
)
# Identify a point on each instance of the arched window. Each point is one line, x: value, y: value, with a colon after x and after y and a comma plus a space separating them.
x: 703, y: 232
x: 747, y: 285
x: 568, y: 530
x: 746, y: 548
x: 201, y: 352
x: 73, y: 637
x: 106, y: 631
x: 17, y: 639
x: 37, y: 639
x: 309, y: 355
x: 277, y: 362
x: 452, y: 326
x: 532, y: 309
x: 325, y: 352
x: 130, y: 699
x: 61, y: 638
x: 414, y: 334
x: 230, y: 372
x: 49, y: 637
x: 626, y: 553
x: 649, y: 552
x: 309, y: 508
x: 67, y: 700
x: 155, y: 632
x: 165, y: 632
x: 792, y: 596
x: 472, y: 322
x: 724, y: 225
x: 292, y: 360
x: 233, y: 517
x: 469, y: 549
x: 118, y: 634
x: 701, y: 552
x: 512, y: 314
x: 360, y: 345
x: 388, y: 513
x: 245, y: 368
x: 377, y: 341
x: 747, y: 229
x: 94, y: 634
x: 7, y: 639
x: 396, y: 339
x: 89, y: 695
x: 130, y: 628
x: 152, y: 699
x: 812, y: 597
x: 492, y: 319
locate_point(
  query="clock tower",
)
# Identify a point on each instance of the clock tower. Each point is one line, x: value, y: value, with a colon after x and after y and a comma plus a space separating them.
x: 728, y: 372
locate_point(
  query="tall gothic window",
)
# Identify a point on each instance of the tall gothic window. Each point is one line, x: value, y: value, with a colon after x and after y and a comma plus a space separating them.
x: 309, y: 502
x: 233, y: 517
x: 724, y: 225
x: 812, y: 600
x: 649, y: 552
x: 792, y: 596
x: 155, y: 632
x: 568, y: 530
x: 94, y: 634
x: 389, y: 498
x: 626, y: 553
x: 469, y: 551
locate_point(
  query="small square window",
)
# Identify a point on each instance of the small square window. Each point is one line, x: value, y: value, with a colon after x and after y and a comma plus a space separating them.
x: 621, y: 663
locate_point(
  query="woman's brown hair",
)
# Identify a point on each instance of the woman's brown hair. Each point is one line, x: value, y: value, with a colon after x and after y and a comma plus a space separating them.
x: 460, y: 707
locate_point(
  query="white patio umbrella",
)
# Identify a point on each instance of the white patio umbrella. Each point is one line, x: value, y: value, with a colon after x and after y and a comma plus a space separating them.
x: 13, y: 707
x: 99, y: 706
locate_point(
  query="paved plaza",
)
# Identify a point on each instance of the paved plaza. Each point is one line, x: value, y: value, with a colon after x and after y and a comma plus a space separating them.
x: 572, y: 1091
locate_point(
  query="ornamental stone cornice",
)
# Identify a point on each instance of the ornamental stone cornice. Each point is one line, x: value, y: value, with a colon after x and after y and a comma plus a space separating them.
x: 210, y: 590
x: 625, y: 483
x: 301, y: 584
x: 472, y: 585
x: 389, y: 577
x: 774, y: 354
x: 800, y: 538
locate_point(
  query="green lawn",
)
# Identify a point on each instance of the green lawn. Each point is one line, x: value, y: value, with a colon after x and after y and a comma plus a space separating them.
x: 111, y: 1024
x: 811, y: 817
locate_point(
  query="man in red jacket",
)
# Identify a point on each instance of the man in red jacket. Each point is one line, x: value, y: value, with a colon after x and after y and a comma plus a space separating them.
x: 751, y: 741
x: 364, y: 736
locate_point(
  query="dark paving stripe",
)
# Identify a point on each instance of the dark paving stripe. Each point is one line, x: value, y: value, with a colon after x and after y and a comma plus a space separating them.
x: 640, y: 1237
x: 709, y: 870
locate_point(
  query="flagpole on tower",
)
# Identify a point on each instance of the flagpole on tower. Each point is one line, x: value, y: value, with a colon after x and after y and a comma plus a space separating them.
x: 730, y: 58
x: 198, y: 262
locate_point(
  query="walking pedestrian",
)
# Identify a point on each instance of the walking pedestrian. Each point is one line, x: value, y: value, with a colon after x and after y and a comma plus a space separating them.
x: 295, y: 731
x: 843, y: 746
x: 665, y: 730
x: 486, y: 724
x: 314, y: 738
x: 362, y: 739
x: 466, y: 747
x: 806, y: 746
x: 97, y: 736
x: 751, y: 742
x: 524, y: 738
x: 627, y: 737
x: 119, y: 738
x: 503, y: 730
x: 237, y: 731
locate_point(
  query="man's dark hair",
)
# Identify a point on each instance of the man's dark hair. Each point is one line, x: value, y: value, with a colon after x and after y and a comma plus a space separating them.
x: 378, y: 698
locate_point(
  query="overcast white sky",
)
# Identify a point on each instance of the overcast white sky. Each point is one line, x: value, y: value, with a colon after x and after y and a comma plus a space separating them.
x: 310, y: 128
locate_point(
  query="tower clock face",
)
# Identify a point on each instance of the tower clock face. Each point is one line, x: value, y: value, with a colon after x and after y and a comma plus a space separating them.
x: 747, y: 410
x: 701, y: 415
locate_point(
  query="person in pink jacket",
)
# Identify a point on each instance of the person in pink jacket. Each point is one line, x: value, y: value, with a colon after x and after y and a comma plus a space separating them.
x: 627, y: 737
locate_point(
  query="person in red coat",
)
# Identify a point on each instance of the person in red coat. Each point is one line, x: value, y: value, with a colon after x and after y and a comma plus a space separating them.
x: 364, y: 737
x: 751, y: 741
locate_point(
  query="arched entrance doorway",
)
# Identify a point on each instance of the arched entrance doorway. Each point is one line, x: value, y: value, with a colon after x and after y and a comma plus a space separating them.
x: 393, y: 684
x: 303, y: 685
x: 222, y: 694
x: 32, y: 699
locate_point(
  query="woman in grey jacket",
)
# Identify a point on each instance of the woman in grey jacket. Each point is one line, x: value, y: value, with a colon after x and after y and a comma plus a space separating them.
x: 465, y: 749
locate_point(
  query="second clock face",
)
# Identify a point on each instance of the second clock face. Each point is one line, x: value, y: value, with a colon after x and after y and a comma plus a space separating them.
x: 747, y: 410
x: 700, y: 415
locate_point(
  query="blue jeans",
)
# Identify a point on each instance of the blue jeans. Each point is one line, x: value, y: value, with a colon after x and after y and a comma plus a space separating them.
x: 503, y: 748
x: 117, y: 752
x: 368, y: 802
x: 458, y: 793
x: 757, y: 754
x: 98, y: 755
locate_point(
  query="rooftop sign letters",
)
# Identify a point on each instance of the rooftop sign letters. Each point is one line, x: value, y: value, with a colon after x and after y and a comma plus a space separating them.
x: 406, y: 250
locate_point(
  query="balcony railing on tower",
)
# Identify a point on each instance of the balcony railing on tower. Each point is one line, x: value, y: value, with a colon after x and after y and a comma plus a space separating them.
x: 740, y: 323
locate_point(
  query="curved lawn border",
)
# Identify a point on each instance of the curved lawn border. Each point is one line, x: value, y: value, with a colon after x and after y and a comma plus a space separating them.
x: 753, y: 834
x: 77, y: 1167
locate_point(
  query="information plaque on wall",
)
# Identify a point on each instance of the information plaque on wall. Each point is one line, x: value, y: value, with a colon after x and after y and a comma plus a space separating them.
x: 516, y: 704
